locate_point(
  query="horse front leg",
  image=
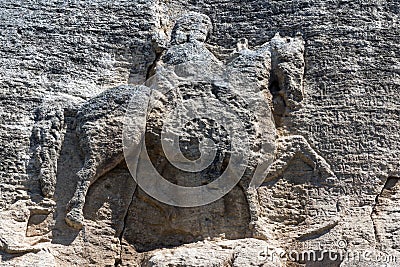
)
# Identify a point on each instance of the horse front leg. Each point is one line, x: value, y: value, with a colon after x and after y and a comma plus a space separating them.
x: 293, y: 146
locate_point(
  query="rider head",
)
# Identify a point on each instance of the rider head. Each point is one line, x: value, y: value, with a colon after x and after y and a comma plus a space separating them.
x: 191, y: 27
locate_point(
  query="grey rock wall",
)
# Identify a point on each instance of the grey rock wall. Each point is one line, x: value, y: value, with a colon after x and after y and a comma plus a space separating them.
x: 56, y: 55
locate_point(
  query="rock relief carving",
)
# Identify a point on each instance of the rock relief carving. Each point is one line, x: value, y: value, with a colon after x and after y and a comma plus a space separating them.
x: 187, y: 68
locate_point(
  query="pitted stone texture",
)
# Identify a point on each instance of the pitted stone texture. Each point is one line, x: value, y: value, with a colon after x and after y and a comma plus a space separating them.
x: 349, y: 115
x: 235, y: 253
x: 62, y: 49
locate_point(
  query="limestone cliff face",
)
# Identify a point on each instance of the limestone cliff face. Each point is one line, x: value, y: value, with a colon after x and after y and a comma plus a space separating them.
x: 313, y: 85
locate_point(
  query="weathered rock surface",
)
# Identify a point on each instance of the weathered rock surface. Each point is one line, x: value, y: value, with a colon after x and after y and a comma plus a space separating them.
x: 322, y: 95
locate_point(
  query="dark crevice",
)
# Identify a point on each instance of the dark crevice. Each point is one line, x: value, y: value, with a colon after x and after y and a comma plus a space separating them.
x: 152, y: 67
x: 279, y: 107
x: 389, y: 183
x: 232, y: 259
x: 251, y: 210
x: 374, y: 226
x: 318, y: 232
x: 118, y: 261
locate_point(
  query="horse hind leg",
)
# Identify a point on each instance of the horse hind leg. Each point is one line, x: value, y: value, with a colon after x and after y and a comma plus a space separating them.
x: 86, y: 176
x: 90, y: 172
